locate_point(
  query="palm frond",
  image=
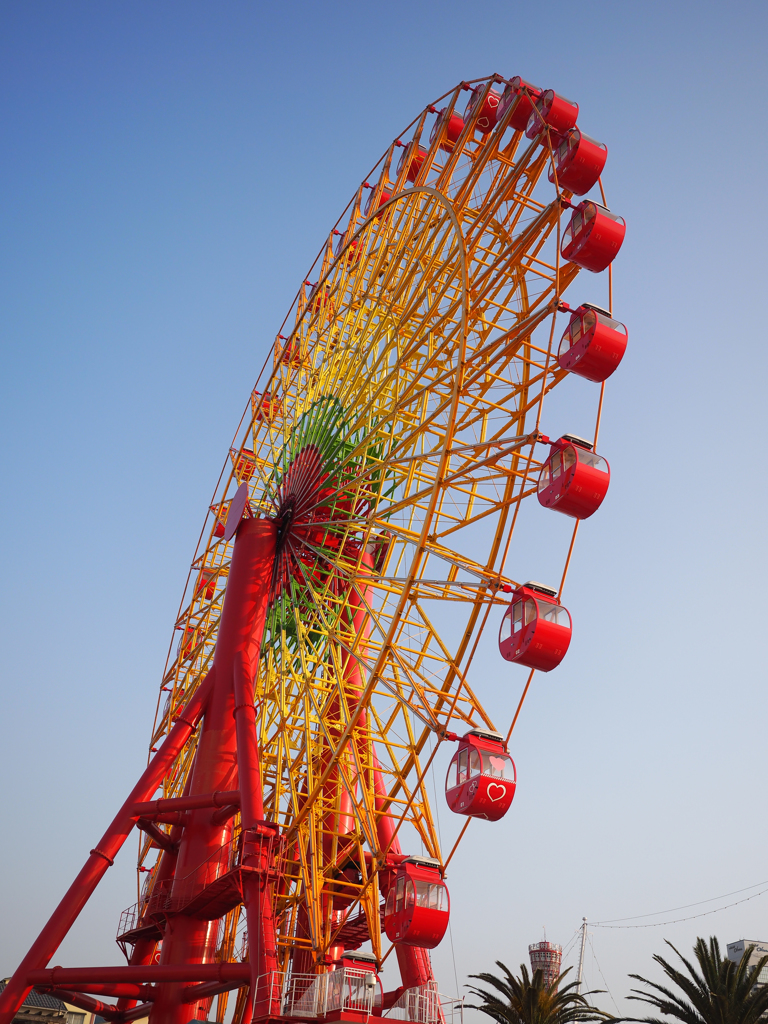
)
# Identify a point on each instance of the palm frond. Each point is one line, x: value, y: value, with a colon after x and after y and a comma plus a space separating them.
x: 720, y: 991
x: 528, y: 1000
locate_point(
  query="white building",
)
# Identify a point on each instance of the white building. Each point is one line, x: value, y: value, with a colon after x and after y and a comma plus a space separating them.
x: 736, y: 952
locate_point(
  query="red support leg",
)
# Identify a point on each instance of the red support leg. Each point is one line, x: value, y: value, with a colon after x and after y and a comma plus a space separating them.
x: 102, y: 857
x: 189, y: 945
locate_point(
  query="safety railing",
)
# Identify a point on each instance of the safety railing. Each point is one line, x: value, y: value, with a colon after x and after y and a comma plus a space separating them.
x: 315, y: 995
x: 425, y: 1005
x: 348, y: 988
x: 161, y: 900
x: 128, y: 920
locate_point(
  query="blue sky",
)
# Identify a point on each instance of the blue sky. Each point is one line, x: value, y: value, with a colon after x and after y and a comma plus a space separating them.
x: 170, y: 171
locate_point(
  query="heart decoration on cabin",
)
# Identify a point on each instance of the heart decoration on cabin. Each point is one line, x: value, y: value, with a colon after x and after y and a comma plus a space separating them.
x: 498, y: 788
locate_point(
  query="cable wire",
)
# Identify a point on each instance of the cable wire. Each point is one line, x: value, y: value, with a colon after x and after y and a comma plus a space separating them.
x: 440, y: 837
x: 607, y: 986
x: 611, y: 923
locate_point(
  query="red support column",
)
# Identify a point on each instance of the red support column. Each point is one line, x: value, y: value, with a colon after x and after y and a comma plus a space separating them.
x: 413, y: 961
x: 145, y: 950
x: 203, y: 850
x: 258, y: 837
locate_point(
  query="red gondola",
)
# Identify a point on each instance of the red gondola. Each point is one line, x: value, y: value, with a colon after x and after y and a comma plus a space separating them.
x: 353, y: 247
x: 579, y: 162
x: 244, y: 465
x: 553, y: 110
x: 535, y: 630
x: 320, y: 299
x: 206, y: 584
x: 486, y: 111
x: 593, y: 237
x: 454, y: 126
x: 522, y: 112
x: 291, y: 353
x: 481, y: 778
x: 384, y: 196
x: 574, y: 479
x: 417, y: 908
x: 354, y: 985
x: 412, y: 157
x: 266, y: 408
x: 593, y: 344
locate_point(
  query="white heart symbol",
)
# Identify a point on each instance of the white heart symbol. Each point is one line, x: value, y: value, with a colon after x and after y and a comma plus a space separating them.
x: 496, y: 787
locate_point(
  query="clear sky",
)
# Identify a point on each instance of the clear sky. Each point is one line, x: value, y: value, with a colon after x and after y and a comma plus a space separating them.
x: 170, y: 170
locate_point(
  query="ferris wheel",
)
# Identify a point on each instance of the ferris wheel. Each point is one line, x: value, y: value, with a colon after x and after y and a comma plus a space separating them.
x: 354, y: 552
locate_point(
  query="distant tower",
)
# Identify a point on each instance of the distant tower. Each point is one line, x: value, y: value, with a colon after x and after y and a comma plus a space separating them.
x: 546, y: 957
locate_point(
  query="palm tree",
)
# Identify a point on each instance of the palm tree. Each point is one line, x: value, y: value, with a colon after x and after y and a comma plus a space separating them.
x: 723, y: 993
x: 529, y: 1000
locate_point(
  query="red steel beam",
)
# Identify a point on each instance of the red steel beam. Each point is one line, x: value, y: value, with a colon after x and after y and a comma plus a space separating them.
x: 158, y: 837
x: 136, y: 1012
x: 142, y: 974
x: 222, y: 816
x: 170, y: 817
x: 103, y: 855
x: 129, y: 990
x: 148, y: 808
x: 209, y: 988
x: 106, y: 1010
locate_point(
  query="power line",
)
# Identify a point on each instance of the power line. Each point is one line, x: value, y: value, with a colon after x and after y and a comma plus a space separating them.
x: 614, y: 922
x: 570, y: 943
x: 677, y: 920
x: 685, y: 906
x: 607, y: 986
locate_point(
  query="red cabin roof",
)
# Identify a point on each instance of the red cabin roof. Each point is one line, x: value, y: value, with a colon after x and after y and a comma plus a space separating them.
x: 573, y: 480
x: 485, y: 110
x: 351, y: 244
x: 535, y: 630
x: 523, y: 94
x: 593, y: 237
x: 384, y: 195
x: 359, y: 959
x: 553, y: 111
x: 481, y: 779
x: 417, y: 908
x: 593, y: 344
x: 579, y: 162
